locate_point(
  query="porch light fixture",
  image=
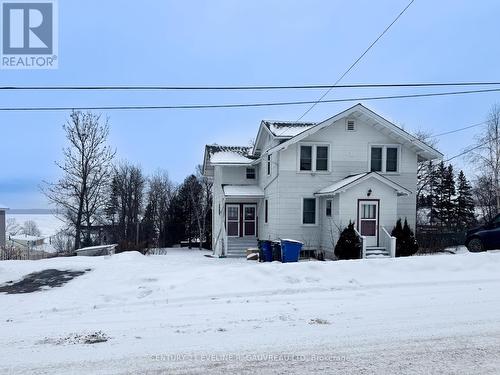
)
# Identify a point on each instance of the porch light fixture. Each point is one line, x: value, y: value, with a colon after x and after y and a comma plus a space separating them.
x: 369, y: 192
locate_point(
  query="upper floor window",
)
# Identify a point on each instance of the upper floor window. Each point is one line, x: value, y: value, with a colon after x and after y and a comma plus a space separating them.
x: 314, y: 158
x: 251, y: 173
x: 306, y: 158
x: 384, y: 159
x: 269, y: 164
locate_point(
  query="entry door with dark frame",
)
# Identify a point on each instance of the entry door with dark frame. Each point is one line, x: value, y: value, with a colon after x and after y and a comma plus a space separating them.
x: 368, y: 215
x: 233, y: 220
x: 249, y: 219
x: 241, y: 220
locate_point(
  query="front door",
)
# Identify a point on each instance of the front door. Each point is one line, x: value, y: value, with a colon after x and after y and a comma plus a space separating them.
x: 233, y: 220
x: 368, y: 214
x: 249, y: 219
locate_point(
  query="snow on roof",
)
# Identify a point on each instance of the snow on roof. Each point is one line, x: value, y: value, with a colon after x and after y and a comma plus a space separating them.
x: 229, y: 157
x: 218, y: 154
x: 243, y: 191
x: 341, y: 184
x: 3, y: 207
x: 25, y: 237
x: 350, y: 181
x: 287, y: 128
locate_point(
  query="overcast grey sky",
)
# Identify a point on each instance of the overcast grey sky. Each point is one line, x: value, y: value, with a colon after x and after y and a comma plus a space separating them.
x: 241, y: 42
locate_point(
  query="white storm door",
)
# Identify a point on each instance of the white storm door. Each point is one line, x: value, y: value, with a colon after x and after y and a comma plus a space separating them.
x: 233, y: 220
x: 249, y: 219
x: 368, y: 214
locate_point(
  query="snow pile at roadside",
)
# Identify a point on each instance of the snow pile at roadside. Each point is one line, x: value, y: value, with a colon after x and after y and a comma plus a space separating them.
x: 181, y: 274
x: 129, y: 308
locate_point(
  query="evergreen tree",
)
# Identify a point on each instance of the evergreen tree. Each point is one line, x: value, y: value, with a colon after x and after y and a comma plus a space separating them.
x: 348, y: 246
x: 406, y: 244
x: 448, y: 206
x: 464, y: 203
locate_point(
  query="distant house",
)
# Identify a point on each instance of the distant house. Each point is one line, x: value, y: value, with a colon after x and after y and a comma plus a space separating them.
x: 24, y: 241
x: 306, y: 181
x: 3, y: 208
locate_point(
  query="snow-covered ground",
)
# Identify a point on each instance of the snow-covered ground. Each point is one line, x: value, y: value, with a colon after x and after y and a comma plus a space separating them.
x: 185, y: 313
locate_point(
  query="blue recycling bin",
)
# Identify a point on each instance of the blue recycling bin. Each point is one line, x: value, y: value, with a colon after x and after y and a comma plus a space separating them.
x: 266, y: 251
x: 290, y: 250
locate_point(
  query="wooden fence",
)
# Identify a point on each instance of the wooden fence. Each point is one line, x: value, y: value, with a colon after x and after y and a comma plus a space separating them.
x: 434, y: 238
x: 13, y: 253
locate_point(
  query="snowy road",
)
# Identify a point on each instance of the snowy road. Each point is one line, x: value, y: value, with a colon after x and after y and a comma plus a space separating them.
x: 187, y: 314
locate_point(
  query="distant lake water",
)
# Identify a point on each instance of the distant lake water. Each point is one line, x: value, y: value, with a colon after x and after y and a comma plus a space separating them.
x: 49, y: 224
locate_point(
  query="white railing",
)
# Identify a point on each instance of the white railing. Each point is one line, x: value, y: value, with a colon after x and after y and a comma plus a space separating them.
x: 388, y: 241
x: 363, y: 244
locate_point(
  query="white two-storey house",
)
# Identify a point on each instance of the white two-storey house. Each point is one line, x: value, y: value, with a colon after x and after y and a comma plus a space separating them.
x: 307, y: 181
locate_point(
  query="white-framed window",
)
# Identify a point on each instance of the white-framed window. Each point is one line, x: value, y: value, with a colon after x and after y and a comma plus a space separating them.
x: 385, y: 158
x: 350, y: 125
x: 250, y: 173
x: 266, y: 211
x: 309, y: 211
x: 329, y: 204
x: 268, y: 164
x: 314, y: 157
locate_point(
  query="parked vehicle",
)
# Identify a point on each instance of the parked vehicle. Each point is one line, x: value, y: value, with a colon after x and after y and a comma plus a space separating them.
x: 484, y: 237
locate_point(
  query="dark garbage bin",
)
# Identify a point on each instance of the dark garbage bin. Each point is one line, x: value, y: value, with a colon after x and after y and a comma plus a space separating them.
x: 290, y: 250
x: 265, y: 251
x: 276, y: 251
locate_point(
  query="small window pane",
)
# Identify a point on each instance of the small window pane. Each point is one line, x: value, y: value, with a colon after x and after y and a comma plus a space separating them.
x: 268, y: 165
x: 392, y: 159
x: 376, y: 159
x: 328, y: 208
x: 233, y: 228
x: 232, y: 213
x: 266, y: 210
x: 251, y: 173
x: 305, y: 158
x: 322, y: 158
x: 309, y: 211
x: 249, y: 213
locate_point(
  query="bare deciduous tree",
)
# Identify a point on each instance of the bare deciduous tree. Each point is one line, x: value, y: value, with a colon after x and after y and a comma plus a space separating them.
x: 425, y: 169
x: 30, y: 228
x: 12, y: 228
x: 87, y: 159
x: 160, y: 194
x: 205, y: 203
x: 127, y: 200
x: 486, y: 155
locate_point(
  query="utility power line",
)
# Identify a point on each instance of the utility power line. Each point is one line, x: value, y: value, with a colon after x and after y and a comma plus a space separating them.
x: 357, y: 60
x: 245, y: 105
x: 238, y: 88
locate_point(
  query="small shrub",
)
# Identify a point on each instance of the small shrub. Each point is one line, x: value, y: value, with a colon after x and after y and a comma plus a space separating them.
x: 349, y: 245
x: 406, y: 244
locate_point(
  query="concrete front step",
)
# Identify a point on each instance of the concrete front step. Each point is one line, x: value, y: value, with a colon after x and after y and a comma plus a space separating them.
x: 377, y: 252
x: 237, y: 247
